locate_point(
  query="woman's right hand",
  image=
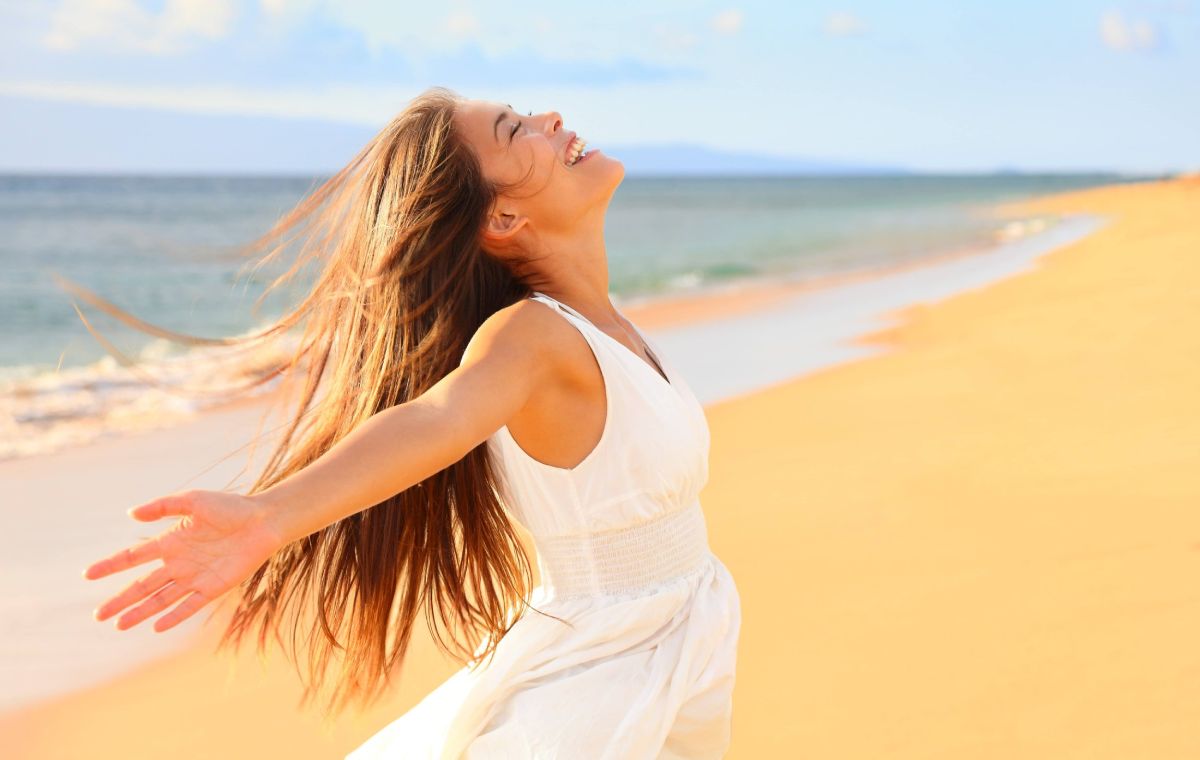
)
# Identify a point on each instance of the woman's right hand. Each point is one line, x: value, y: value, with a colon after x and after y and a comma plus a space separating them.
x: 221, y: 540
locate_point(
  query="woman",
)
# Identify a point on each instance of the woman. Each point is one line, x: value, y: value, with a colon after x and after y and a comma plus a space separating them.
x: 474, y: 372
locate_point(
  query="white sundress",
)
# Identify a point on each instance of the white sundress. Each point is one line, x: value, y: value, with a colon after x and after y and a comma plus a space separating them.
x: 646, y: 668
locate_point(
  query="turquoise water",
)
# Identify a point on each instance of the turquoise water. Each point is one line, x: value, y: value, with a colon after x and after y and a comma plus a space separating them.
x: 664, y: 233
x: 161, y: 247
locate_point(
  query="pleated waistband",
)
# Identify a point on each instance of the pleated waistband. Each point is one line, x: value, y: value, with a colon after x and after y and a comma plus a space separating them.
x: 626, y: 560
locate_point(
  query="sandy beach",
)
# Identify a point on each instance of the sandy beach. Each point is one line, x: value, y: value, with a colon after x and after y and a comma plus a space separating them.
x: 980, y: 542
x: 984, y: 544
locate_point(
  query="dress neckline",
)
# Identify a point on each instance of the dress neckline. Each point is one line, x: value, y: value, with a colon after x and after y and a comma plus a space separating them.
x: 665, y: 377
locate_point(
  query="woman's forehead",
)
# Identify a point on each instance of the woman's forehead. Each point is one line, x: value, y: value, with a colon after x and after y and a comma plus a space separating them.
x: 476, y: 123
x: 481, y: 120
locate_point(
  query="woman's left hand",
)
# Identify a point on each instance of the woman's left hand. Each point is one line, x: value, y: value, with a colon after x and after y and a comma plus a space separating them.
x: 221, y: 540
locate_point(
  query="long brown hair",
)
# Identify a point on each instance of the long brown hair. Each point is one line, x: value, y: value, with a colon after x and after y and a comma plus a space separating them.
x: 404, y: 285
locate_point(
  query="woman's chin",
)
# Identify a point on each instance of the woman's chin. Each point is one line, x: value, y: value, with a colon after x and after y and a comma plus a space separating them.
x: 610, y: 163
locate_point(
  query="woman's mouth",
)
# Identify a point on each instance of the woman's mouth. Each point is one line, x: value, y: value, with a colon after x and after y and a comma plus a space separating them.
x: 575, y: 151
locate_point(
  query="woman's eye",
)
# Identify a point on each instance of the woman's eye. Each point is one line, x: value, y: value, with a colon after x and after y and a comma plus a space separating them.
x: 514, y: 129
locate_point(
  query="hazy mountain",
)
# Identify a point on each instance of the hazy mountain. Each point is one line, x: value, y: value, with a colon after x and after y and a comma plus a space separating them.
x: 685, y: 159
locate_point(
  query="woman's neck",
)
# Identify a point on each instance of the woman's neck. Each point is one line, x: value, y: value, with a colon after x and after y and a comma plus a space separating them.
x: 575, y: 269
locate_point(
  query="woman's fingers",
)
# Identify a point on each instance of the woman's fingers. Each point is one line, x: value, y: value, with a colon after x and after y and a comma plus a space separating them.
x: 123, y: 560
x: 183, y: 611
x: 173, y: 505
x: 166, y: 596
x: 134, y: 592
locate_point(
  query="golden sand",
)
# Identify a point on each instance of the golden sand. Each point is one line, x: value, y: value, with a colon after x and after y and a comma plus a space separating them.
x: 983, y: 544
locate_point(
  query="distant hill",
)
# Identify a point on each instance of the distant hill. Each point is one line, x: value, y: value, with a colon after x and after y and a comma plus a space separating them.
x: 681, y: 159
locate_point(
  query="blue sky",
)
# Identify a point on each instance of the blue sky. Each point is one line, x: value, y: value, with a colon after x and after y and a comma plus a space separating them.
x: 938, y: 86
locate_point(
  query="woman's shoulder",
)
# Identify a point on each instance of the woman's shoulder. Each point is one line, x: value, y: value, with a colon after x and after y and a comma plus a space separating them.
x: 530, y: 329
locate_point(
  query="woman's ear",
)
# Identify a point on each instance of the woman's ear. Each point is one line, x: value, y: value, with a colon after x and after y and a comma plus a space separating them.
x: 502, y: 226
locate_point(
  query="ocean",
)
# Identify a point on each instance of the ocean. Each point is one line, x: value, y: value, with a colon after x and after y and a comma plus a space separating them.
x: 164, y: 248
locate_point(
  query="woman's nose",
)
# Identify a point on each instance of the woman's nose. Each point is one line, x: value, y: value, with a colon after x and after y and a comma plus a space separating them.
x: 553, y: 121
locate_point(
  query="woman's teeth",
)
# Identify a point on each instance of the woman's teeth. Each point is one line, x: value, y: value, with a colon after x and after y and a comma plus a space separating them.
x: 575, y: 150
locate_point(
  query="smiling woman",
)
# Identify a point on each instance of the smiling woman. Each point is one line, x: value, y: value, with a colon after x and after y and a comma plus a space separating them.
x: 475, y: 375
x: 561, y: 203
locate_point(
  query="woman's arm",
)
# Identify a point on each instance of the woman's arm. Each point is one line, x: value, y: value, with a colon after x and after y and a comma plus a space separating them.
x: 223, y: 537
x: 503, y: 365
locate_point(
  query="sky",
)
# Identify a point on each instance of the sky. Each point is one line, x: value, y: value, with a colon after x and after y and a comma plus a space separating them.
x: 1058, y: 85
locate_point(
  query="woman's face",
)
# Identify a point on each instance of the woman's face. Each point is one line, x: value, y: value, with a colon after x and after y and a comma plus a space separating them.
x: 556, y: 197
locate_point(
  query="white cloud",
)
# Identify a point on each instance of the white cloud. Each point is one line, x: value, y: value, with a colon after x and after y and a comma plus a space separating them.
x: 599, y: 33
x: 728, y: 22
x: 463, y: 24
x: 842, y: 24
x: 353, y: 104
x: 673, y: 39
x: 1166, y: 6
x: 287, y: 8
x: 602, y: 112
x: 274, y: 7
x: 122, y: 25
x: 1121, y: 34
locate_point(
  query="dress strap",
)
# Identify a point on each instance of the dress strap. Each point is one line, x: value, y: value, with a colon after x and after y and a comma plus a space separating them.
x: 569, y: 311
x: 562, y: 308
x: 651, y: 350
x: 560, y: 305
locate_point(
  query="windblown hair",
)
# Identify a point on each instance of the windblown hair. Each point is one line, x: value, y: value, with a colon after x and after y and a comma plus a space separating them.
x: 404, y: 285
